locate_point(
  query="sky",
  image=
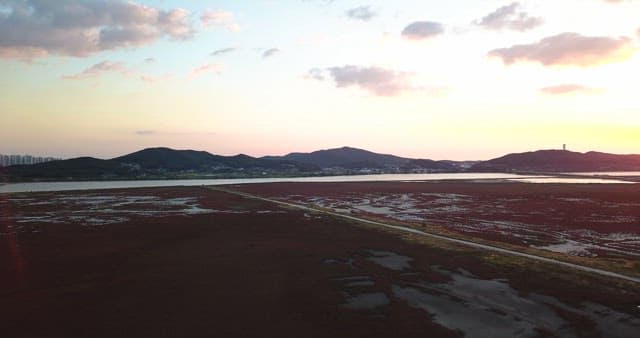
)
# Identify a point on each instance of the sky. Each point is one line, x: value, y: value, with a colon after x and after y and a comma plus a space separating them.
x: 460, y: 80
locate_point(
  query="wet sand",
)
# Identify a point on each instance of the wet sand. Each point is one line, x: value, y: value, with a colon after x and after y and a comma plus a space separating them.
x: 185, y: 262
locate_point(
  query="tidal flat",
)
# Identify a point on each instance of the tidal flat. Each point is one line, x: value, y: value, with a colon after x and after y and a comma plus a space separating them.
x: 191, y: 261
x: 593, y: 224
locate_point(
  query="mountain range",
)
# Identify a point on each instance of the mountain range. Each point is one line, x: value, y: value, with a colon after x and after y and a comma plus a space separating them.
x: 162, y: 163
x: 190, y: 160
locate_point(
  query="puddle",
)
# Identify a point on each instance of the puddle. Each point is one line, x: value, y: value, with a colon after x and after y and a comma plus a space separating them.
x: 473, y: 306
x: 367, y: 301
x: 569, y: 247
x: 356, y: 281
x: 492, y: 308
x: 390, y: 260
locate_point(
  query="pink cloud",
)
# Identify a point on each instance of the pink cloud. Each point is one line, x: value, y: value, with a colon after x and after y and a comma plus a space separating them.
x: 155, y: 79
x: 216, y: 68
x: 569, y: 89
x: 99, y: 69
x: 570, y: 49
x: 219, y: 18
x: 376, y: 80
x: 35, y: 29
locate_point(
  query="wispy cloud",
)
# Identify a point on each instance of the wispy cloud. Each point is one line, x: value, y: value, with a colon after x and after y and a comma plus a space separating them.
x: 153, y: 132
x: 209, y: 68
x: 109, y: 67
x: 99, y: 69
x: 363, y: 13
x: 144, y: 132
x: 270, y: 52
x: 219, y: 18
x: 421, y: 30
x: 155, y: 79
x: 564, y: 89
x: 223, y: 51
x: 510, y: 17
x: 570, y: 49
x: 35, y: 29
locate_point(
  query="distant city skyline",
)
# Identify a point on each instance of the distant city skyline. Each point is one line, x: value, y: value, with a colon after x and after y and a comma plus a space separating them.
x: 8, y: 160
x: 459, y: 80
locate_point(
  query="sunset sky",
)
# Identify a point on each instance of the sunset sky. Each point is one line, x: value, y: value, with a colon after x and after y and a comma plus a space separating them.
x: 463, y: 79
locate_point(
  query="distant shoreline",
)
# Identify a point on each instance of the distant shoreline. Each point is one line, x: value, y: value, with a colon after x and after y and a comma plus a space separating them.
x: 471, y: 178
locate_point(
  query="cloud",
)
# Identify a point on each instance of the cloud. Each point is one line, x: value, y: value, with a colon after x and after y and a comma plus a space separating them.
x: 270, y: 52
x: 110, y: 67
x: 99, y: 69
x: 223, y: 51
x: 153, y: 132
x: 421, y: 30
x: 315, y: 74
x: 320, y: 1
x: 38, y: 28
x: 155, y: 79
x: 569, y: 89
x: 570, y: 49
x: 219, y: 18
x: 107, y: 67
x: 144, y: 132
x: 509, y: 17
x: 376, y: 80
x: 364, y: 13
x: 216, y: 68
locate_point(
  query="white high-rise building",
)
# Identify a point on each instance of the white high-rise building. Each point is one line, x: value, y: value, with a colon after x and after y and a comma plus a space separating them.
x: 8, y: 160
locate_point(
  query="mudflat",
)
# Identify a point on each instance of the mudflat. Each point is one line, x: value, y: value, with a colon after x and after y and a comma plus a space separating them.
x: 192, y: 262
x: 589, y: 223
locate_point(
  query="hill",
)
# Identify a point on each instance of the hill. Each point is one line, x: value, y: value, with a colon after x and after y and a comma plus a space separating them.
x: 154, y: 163
x: 560, y: 161
x: 353, y: 158
x: 168, y: 159
x: 190, y: 160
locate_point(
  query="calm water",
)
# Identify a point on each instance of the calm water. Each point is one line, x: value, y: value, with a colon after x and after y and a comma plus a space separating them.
x: 608, y: 173
x: 568, y: 180
x: 64, y: 186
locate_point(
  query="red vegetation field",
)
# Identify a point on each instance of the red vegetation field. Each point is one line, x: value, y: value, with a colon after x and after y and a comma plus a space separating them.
x: 578, y: 219
x: 190, y: 262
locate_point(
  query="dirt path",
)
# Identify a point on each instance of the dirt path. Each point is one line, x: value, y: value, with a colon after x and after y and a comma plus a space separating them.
x: 440, y: 237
